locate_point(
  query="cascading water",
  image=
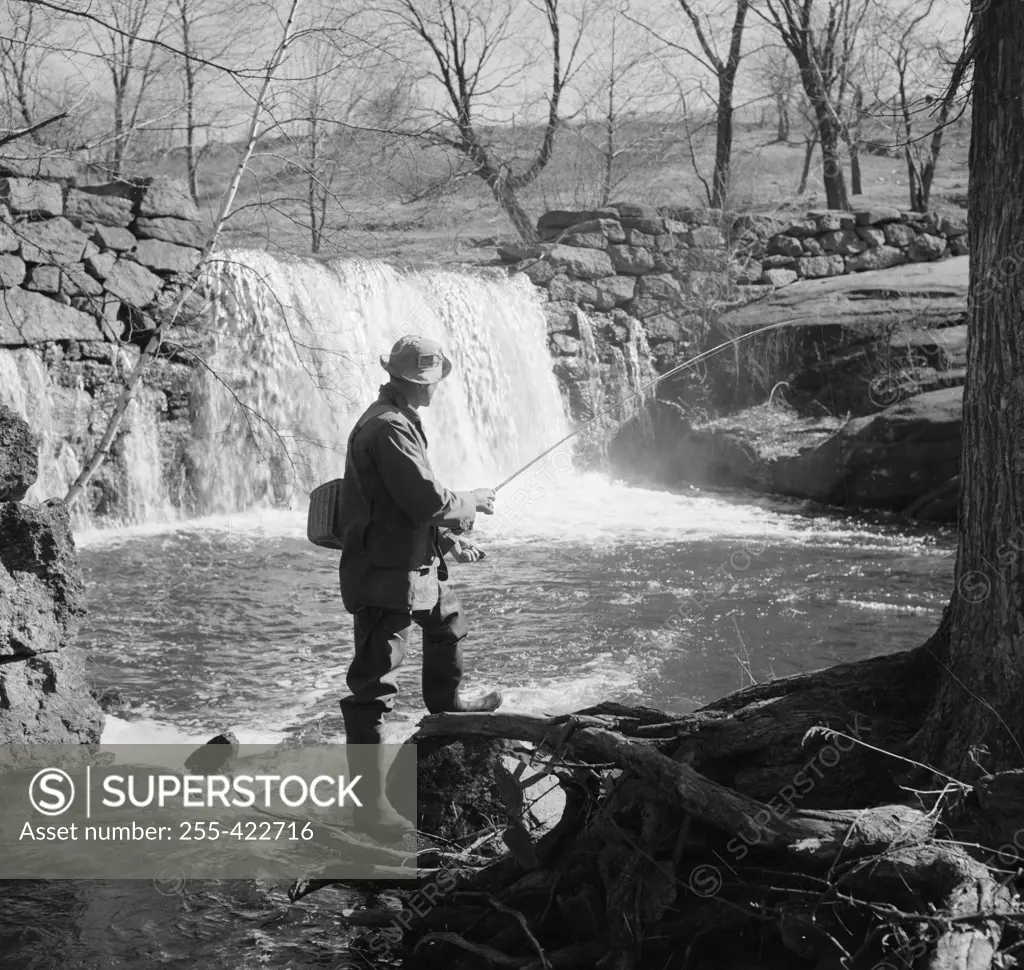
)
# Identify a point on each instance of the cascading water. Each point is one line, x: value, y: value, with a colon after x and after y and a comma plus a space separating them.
x: 296, y: 359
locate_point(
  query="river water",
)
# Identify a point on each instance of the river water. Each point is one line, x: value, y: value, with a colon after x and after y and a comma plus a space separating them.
x: 590, y: 590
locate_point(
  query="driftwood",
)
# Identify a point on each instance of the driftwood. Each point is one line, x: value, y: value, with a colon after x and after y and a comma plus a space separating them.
x: 685, y: 842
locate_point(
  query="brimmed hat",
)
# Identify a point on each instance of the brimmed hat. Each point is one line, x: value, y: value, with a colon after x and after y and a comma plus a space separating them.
x: 417, y: 359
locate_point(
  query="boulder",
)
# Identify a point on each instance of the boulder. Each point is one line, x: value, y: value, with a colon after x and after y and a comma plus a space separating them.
x: 953, y: 226
x: 846, y: 242
x: 167, y: 197
x: 507, y: 252
x: 107, y: 210
x: 32, y: 318
x: 958, y: 246
x: 9, y: 242
x: 637, y: 211
x: 778, y: 262
x: 886, y: 460
x: 43, y: 591
x: 816, y: 267
x: 564, y: 289
x: 802, y: 228
x: 115, y: 238
x: 587, y: 240
x: 779, y: 277
x: 166, y: 257
x: 537, y: 271
x: 76, y: 281
x: 706, y: 237
x: 131, y: 283
x: 634, y: 237
x: 631, y: 260
x: 609, y: 228
x: 898, y: 234
x: 45, y: 279
x: 926, y: 247
x: 659, y: 286
x: 746, y: 271
x: 829, y: 220
x: 811, y: 246
x: 561, y: 317
x: 559, y: 219
x: 47, y: 701
x: 32, y: 197
x: 873, y: 237
x: 649, y: 227
x: 782, y: 245
x: 19, y: 460
x: 881, y: 257
x: 664, y: 326
x: 587, y: 264
x: 613, y: 291
x: 24, y: 159
x: 183, y: 232
x: 12, y: 272
x: 643, y: 307
x: 100, y: 265
x: 876, y: 215
x: 52, y: 241
x: 562, y: 343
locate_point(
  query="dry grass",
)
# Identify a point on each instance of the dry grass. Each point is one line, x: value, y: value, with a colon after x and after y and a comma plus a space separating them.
x: 373, y: 212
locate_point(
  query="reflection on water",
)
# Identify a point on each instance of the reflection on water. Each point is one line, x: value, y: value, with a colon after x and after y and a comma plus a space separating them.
x: 618, y: 593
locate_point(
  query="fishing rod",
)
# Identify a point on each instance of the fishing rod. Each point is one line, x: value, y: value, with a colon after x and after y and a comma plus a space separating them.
x: 675, y: 370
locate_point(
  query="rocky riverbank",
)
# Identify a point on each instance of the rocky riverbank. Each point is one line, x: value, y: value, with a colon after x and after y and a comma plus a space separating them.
x: 44, y: 695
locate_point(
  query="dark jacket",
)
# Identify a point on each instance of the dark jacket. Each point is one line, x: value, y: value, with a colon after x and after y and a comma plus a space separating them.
x: 391, y: 554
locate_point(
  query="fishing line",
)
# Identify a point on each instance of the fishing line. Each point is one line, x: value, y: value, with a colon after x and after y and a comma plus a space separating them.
x: 675, y: 370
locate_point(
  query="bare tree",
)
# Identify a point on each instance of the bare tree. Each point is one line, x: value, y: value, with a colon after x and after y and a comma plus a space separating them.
x: 131, y: 63
x: 469, y: 46
x: 822, y: 38
x: 724, y: 67
x: 776, y: 75
x: 917, y: 61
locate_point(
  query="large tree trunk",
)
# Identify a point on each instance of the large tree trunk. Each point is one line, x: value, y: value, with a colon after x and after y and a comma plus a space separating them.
x: 805, y: 172
x: 981, y: 665
x: 831, y: 160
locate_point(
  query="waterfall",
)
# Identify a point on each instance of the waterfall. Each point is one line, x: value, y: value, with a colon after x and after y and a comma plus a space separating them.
x: 295, y: 359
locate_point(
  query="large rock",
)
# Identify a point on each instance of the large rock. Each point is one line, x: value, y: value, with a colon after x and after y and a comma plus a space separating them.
x: 131, y: 283
x: 53, y: 241
x: 886, y: 460
x: 926, y: 247
x: 632, y: 260
x: 166, y: 257
x: 609, y: 228
x: 565, y: 289
x: 559, y: 219
x: 846, y: 242
x: 829, y: 220
x: 32, y: 196
x: 585, y: 264
x: 706, y: 237
x: 12, y: 271
x: 107, y: 210
x: 876, y: 215
x: 32, y: 318
x: 19, y: 460
x: 167, y: 198
x: 779, y: 277
x: 613, y: 291
x: 783, y: 245
x: 815, y: 267
x: 46, y: 700
x: 881, y: 257
x: 115, y: 238
x: 899, y: 235
x: 660, y: 286
x: 43, y: 597
x: 180, y: 231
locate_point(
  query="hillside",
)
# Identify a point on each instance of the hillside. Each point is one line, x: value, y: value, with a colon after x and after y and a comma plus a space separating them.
x: 382, y: 206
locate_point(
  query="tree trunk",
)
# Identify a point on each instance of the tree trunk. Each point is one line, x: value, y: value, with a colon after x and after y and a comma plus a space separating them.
x: 832, y: 162
x: 723, y: 144
x: 856, y: 185
x: 806, y: 171
x: 782, y: 121
x: 981, y: 662
x: 513, y: 208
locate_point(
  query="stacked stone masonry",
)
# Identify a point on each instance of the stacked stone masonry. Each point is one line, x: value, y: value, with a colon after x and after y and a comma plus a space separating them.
x: 675, y: 269
x: 87, y: 271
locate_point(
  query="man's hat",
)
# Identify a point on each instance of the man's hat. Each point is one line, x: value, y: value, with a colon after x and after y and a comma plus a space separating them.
x: 417, y: 359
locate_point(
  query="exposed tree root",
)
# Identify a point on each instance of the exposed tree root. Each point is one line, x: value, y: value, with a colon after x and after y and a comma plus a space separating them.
x: 690, y: 841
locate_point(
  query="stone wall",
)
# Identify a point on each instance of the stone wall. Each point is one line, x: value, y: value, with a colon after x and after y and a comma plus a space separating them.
x: 86, y: 270
x: 634, y: 274
x: 44, y: 695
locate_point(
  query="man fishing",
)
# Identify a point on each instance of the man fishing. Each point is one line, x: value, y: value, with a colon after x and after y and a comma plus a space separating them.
x: 392, y: 568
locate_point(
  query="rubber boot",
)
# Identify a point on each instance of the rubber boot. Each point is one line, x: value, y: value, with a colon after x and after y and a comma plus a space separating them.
x: 367, y: 756
x: 454, y: 704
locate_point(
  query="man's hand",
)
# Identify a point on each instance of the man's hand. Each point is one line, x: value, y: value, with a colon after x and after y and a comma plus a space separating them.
x: 465, y: 550
x: 484, y: 498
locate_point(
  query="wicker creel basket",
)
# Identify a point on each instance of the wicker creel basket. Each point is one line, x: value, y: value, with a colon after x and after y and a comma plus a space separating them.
x: 323, y: 523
